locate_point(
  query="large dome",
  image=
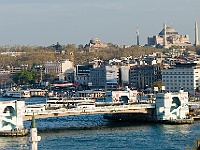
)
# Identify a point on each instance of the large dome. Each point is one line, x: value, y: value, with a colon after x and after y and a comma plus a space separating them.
x: 169, y: 31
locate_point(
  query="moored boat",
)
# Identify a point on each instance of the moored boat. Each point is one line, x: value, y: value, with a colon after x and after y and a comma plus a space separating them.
x: 16, y: 93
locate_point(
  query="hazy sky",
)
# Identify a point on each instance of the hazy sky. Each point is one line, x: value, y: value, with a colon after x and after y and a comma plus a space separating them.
x: 45, y: 22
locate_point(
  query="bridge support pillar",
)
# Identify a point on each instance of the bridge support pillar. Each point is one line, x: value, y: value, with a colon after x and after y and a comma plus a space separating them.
x: 11, y: 115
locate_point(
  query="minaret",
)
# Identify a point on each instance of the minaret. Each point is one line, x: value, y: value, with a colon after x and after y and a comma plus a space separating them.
x: 196, y: 35
x: 33, y: 139
x: 138, y: 34
x: 164, y: 36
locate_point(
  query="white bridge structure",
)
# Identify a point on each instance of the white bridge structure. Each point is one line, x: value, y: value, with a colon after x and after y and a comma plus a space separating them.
x: 139, y: 108
x: 168, y: 106
x: 13, y: 113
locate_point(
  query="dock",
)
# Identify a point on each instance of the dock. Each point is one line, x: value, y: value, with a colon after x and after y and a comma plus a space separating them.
x: 15, y: 133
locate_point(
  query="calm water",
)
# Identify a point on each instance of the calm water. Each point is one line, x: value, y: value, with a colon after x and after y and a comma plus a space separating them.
x: 94, y: 132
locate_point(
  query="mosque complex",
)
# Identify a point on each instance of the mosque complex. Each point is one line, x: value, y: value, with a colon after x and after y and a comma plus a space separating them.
x: 166, y: 38
x: 170, y: 37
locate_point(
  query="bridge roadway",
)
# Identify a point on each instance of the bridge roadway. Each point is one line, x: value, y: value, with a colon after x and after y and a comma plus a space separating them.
x: 136, y: 108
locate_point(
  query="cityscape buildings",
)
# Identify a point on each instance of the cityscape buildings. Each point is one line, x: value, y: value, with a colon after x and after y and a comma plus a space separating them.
x: 136, y: 72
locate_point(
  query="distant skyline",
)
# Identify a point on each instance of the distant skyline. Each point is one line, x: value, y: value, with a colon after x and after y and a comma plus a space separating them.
x: 45, y: 22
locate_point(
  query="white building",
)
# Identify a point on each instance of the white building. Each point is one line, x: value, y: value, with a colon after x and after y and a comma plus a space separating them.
x: 58, y: 67
x: 186, y: 75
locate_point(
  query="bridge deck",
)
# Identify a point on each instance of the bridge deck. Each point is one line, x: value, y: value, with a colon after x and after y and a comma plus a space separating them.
x: 139, y: 108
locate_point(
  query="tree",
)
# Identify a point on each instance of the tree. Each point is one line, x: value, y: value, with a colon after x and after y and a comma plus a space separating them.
x: 24, y: 77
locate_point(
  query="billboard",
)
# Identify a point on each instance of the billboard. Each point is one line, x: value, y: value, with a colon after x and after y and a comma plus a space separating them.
x: 111, y: 75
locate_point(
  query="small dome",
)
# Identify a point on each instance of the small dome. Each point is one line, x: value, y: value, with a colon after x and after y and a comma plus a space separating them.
x: 94, y: 40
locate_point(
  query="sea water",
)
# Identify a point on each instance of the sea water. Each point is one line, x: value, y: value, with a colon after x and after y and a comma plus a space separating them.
x: 89, y: 132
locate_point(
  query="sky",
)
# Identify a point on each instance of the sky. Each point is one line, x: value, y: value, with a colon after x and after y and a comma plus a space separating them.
x: 45, y: 22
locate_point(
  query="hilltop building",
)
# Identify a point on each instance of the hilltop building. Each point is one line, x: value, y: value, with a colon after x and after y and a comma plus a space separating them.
x: 169, y: 37
x: 95, y: 44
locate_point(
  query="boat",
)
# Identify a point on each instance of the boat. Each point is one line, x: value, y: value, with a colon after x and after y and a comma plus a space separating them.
x: 66, y: 102
x: 38, y: 92
x: 86, y: 105
x: 16, y: 93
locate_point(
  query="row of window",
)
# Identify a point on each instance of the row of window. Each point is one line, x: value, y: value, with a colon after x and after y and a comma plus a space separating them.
x: 177, y: 76
x: 174, y: 84
x: 177, y: 88
x: 171, y: 81
x: 178, y: 72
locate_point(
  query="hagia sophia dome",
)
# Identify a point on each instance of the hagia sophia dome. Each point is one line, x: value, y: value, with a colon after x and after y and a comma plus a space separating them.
x: 169, y: 31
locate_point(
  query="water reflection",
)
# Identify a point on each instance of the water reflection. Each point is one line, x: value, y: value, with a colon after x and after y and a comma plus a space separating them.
x: 13, y: 143
x: 172, y: 129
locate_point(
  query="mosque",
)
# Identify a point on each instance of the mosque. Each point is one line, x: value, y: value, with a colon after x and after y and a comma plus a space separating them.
x: 170, y: 37
x: 95, y: 43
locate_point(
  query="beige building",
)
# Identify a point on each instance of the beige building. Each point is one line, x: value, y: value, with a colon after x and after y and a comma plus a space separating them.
x: 95, y: 43
x: 169, y: 37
